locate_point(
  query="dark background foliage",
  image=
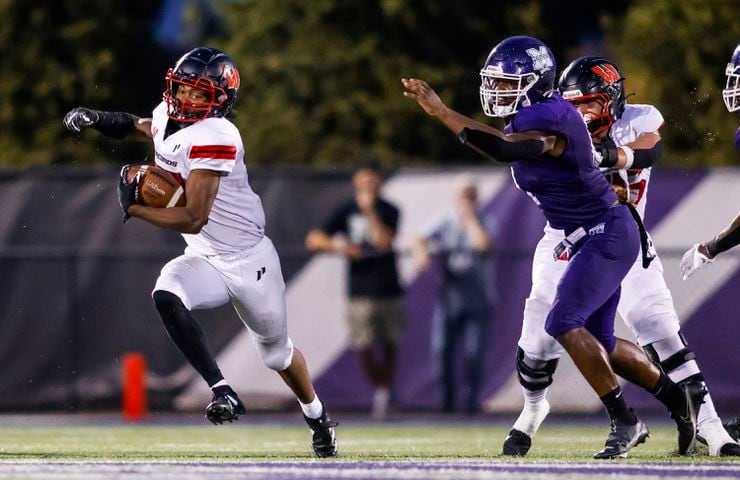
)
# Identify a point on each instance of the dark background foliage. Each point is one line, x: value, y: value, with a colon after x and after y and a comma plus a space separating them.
x: 320, y: 78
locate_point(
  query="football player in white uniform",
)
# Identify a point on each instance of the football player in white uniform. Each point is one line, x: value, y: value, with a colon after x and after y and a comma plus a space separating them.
x: 626, y: 142
x: 228, y: 256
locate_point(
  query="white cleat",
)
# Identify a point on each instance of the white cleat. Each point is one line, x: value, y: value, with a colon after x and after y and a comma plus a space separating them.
x: 718, y: 441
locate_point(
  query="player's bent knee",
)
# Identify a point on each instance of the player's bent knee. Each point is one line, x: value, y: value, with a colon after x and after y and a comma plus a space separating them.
x: 534, y: 374
x: 676, y: 353
x: 171, y: 309
x: 167, y: 302
x: 277, y: 354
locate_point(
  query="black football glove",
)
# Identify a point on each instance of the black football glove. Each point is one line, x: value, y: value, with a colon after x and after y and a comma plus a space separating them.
x: 607, y: 149
x: 127, y: 191
x: 81, y: 117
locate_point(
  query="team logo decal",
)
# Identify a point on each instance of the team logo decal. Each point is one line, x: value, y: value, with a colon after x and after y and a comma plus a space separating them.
x: 540, y: 58
x: 232, y: 76
x: 607, y: 72
x: 597, y: 230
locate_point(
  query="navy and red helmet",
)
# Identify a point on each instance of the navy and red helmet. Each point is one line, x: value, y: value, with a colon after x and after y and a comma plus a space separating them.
x: 206, y: 69
x: 519, y: 72
x: 595, y: 78
x: 731, y: 93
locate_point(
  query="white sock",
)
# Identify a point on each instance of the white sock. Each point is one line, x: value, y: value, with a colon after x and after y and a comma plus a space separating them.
x: 707, y: 412
x: 314, y: 409
x: 220, y: 383
x: 380, y: 403
x: 533, y: 412
x: 535, y: 396
x: 715, y: 434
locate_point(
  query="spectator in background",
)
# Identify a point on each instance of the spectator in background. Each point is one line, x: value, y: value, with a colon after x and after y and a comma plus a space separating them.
x: 362, y: 230
x: 462, y: 242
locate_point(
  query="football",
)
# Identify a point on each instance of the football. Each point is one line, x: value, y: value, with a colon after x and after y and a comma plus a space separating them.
x: 157, y: 187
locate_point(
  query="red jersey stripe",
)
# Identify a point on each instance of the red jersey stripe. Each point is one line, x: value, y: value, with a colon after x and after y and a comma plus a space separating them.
x: 222, y: 149
x: 207, y: 155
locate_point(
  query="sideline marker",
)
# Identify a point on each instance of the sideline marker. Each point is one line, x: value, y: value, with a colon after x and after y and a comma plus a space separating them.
x: 134, y: 386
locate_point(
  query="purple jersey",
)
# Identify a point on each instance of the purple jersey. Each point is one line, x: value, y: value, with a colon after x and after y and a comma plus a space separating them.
x: 570, y: 189
x: 737, y: 138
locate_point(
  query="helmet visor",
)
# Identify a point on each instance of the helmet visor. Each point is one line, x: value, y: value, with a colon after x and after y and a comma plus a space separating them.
x: 182, y: 107
x: 503, y: 94
x: 731, y: 93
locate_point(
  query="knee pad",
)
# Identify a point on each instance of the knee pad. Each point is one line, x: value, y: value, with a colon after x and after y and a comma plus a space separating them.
x: 680, y: 353
x: 534, y: 374
x: 276, y: 354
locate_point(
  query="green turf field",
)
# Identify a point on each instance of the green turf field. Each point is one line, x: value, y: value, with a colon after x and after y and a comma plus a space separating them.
x: 291, y: 443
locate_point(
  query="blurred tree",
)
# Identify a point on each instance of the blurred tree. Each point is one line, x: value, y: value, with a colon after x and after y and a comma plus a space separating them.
x: 674, y: 55
x: 57, y: 54
x: 321, y: 79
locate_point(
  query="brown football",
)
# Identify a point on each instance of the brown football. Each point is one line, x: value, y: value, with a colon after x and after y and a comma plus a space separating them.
x: 157, y: 187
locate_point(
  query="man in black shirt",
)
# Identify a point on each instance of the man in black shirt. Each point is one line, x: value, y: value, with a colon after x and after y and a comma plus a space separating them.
x: 362, y: 230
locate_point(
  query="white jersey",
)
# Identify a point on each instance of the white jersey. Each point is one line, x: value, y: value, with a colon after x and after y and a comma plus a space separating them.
x: 635, y: 121
x: 237, y: 219
x: 645, y: 305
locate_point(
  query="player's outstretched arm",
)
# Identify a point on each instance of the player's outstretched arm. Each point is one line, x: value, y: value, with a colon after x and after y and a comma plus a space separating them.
x: 118, y: 125
x: 200, y: 191
x: 703, y: 253
x: 482, y: 138
x: 430, y: 102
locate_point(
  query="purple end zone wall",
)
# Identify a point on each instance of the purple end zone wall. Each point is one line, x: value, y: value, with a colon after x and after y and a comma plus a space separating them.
x: 75, y: 289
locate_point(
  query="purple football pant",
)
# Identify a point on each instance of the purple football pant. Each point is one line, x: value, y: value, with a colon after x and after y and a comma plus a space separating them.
x: 588, y: 293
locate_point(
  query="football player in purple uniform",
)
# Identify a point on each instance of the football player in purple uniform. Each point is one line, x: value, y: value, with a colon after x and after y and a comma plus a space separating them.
x: 628, y: 143
x: 703, y: 254
x: 549, y: 148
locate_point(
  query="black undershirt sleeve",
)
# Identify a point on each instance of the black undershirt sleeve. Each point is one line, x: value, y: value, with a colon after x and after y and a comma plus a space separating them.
x: 646, y: 157
x: 725, y: 241
x: 499, y: 149
x: 116, y: 125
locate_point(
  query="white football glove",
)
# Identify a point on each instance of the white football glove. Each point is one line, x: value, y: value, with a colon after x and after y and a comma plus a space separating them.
x: 692, y: 261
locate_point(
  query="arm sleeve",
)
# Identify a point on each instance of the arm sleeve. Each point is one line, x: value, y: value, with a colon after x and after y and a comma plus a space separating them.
x: 646, y: 157
x: 499, y: 149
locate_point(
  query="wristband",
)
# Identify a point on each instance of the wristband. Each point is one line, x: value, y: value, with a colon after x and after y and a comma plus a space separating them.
x: 629, y: 155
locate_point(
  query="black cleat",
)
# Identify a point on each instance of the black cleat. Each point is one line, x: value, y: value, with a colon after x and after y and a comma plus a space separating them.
x: 733, y: 428
x: 622, y: 439
x: 225, y: 406
x: 324, y: 439
x: 730, y: 450
x: 517, y: 443
x: 685, y: 417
